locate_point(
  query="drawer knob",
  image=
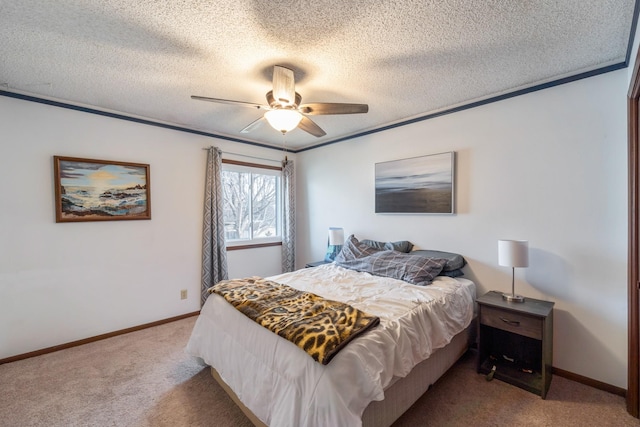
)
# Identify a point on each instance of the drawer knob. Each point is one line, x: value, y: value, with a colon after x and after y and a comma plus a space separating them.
x: 510, y: 322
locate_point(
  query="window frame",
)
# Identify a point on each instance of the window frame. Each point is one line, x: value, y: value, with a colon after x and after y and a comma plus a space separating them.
x: 260, y: 241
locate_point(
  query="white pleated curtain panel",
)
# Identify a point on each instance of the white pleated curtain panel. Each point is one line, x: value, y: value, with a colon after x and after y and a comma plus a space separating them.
x: 214, y: 252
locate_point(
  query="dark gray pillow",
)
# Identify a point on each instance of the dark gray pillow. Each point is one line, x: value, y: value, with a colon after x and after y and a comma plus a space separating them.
x: 400, y: 246
x: 454, y: 261
x: 452, y: 273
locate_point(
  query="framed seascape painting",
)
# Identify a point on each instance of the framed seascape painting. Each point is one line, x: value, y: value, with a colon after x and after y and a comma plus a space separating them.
x: 417, y: 185
x: 100, y: 190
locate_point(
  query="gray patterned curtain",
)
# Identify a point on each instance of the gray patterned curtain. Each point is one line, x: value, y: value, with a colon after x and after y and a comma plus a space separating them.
x: 289, y: 220
x: 214, y: 253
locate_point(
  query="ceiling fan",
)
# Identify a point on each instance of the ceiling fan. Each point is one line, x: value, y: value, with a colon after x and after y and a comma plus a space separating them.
x: 284, y: 111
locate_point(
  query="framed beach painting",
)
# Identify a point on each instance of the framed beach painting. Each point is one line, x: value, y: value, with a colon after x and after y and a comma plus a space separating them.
x: 100, y: 190
x: 416, y: 185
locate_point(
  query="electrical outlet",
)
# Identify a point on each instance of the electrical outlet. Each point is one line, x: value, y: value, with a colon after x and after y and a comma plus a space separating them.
x: 183, y: 294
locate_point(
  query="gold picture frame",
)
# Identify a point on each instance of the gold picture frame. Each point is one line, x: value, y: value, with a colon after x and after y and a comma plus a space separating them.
x: 100, y: 190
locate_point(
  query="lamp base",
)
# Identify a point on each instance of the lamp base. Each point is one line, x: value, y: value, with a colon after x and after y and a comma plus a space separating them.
x: 513, y: 297
x: 332, y: 252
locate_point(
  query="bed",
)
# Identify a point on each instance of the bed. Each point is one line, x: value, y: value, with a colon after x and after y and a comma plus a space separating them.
x: 423, y: 330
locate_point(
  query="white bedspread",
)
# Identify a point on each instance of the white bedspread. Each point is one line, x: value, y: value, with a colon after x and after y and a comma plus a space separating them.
x: 283, y: 386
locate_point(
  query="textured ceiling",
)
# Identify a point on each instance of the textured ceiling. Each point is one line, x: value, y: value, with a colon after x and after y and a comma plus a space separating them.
x: 404, y: 58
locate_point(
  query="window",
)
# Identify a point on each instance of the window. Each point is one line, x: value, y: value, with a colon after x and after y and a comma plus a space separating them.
x: 252, y: 203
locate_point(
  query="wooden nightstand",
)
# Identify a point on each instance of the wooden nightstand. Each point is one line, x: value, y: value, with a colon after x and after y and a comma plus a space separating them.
x: 516, y: 338
x: 316, y: 263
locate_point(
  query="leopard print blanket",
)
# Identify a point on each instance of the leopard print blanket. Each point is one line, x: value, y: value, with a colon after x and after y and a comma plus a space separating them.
x: 318, y: 326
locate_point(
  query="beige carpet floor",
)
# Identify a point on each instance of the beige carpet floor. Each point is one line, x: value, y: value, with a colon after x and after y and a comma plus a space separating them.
x: 146, y: 379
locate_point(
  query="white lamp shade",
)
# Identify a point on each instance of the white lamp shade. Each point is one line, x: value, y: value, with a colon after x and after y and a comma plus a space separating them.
x: 283, y: 120
x: 336, y: 236
x: 513, y: 253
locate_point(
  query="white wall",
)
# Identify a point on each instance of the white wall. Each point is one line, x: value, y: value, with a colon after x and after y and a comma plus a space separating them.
x: 549, y: 167
x: 255, y: 262
x: 64, y: 282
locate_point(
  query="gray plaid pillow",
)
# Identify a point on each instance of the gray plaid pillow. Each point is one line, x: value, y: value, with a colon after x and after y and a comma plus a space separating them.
x: 418, y: 270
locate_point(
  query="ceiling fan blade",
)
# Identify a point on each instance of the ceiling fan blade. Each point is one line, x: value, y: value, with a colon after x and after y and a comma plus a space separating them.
x: 319, y: 108
x: 253, y: 125
x: 228, y: 101
x: 284, y: 90
x: 308, y: 125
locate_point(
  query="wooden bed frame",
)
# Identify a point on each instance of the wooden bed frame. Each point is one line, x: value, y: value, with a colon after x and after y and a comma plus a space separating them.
x: 400, y: 395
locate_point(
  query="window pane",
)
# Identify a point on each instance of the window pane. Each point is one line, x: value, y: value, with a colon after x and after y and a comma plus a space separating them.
x: 237, y: 218
x: 264, y: 204
x: 252, y: 202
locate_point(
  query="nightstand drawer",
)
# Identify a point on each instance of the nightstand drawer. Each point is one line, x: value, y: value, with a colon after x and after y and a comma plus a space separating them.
x: 507, y: 320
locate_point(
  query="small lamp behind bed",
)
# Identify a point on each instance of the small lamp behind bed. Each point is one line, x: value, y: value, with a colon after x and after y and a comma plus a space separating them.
x: 513, y: 253
x: 336, y: 240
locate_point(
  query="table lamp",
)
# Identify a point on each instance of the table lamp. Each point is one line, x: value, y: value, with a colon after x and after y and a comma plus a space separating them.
x: 513, y: 253
x: 336, y: 240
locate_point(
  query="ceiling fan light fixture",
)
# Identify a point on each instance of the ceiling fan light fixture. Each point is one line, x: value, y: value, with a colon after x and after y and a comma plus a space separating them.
x: 283, y: 120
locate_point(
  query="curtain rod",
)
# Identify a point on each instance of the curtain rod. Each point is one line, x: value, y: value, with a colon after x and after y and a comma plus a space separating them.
x: 248, y: 156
